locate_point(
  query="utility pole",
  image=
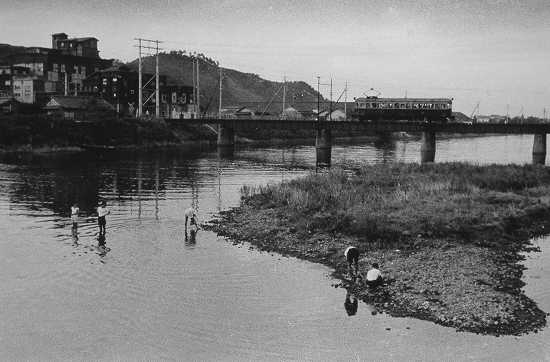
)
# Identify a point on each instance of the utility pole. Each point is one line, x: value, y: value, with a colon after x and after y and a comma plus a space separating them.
x: 194, y: 87
x: 220, y: 101
x: 140, y: 80
x: 157, y: 83
x: 284, y: 93
x: 318, y: 101
x: 198, y: 89
x: 346, y: 102
x: 66, y: 84
x: 151, y: 45
x: 330, y: 108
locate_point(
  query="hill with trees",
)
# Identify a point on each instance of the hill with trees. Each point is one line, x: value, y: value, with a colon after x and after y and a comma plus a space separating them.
x: 239, y: 89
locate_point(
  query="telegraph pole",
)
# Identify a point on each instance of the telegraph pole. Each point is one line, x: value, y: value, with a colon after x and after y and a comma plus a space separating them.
x: 140, y: 80
x: 220, y: 100
x: 198, y: 89
x: 194, y: 87
x: 157, y: 83
x: 346, y: 102
x: 318, y: 101
x: 330, y: 108
x: 284, y: 93
x: 151, y: 45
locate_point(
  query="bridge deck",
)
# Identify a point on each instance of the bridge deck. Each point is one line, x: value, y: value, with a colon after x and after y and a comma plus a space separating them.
x: 382, y: 126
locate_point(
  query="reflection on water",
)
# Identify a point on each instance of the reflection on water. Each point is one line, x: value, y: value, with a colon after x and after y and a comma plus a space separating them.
x: 146, y: 289
x: 351, y: 304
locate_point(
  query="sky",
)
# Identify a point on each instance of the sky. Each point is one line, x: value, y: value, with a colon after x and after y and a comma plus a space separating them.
x: 494, y: 52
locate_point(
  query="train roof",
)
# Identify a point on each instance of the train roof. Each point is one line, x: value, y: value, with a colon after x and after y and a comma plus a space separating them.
x: 397, y: 100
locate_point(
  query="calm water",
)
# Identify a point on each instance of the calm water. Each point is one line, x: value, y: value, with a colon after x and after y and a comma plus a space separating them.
x: 157, y: 295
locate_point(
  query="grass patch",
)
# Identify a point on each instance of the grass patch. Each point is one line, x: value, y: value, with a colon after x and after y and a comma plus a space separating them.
x: 447, y: 235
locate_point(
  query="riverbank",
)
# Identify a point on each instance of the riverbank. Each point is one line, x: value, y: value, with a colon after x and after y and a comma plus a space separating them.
x: 447, y: 236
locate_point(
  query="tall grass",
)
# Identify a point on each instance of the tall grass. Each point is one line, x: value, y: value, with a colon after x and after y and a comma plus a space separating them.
x: 398, y: 201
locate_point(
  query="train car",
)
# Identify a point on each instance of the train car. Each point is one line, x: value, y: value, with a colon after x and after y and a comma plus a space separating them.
x: 403, y: 109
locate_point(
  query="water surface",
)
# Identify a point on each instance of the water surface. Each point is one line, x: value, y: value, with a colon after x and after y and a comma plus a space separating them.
x: 157, y: 294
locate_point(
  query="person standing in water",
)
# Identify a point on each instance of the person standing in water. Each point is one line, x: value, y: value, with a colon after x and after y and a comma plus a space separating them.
x: 191, y: 216
x: 74, y: 215
x: 102, y: 211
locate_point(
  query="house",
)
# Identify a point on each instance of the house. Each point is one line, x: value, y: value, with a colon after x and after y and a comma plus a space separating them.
x: 291, y: 113
x: 57, y: 70
x: 245, y: 113
x: 119, y: 85
x: 76, y: 107
x: 27, y: 89
x: 337, y: 115
x: 10, y: 105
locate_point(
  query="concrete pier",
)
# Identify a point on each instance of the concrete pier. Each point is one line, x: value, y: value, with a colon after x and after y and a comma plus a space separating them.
x: 539, y: 149
x: 226, y: 141
x: 226, y: 136
x: 323, y: 146
x: 427, y: 149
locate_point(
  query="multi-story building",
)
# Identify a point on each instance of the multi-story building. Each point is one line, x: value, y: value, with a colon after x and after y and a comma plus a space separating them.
x: 59, y: 70
x: 119, y: 86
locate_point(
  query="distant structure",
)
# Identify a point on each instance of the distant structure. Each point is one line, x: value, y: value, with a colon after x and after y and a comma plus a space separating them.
x: 34, y: 74
x: 119, y: 86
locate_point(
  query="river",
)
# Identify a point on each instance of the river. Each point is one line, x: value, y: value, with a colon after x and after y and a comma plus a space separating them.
x: 157, y: 294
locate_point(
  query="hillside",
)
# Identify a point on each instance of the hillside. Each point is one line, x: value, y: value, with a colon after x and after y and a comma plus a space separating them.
x: 239, y: 89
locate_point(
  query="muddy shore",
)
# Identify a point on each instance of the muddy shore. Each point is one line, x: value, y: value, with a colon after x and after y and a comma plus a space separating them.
x: 460, y: 271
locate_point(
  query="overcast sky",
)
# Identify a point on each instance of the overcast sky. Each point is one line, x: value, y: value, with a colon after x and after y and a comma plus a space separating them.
x: 492, y: 52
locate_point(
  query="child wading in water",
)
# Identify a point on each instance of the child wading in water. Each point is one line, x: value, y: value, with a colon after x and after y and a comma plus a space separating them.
x: 74, y: 215
x: 101, y: 213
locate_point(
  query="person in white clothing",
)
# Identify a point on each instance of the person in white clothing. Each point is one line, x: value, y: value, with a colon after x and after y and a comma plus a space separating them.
x: 74, y: 215
x: 102, y: 211
x: 374, y: 276
x: 191, y: 216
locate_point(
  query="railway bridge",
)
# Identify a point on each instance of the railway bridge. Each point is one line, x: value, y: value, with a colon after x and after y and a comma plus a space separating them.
x: 228, y: 128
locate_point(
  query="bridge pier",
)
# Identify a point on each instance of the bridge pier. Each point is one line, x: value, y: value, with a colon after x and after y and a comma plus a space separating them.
x: 539, y: 149
x: 226, y: 140
x: 323, y: 146
x: 427, y: 149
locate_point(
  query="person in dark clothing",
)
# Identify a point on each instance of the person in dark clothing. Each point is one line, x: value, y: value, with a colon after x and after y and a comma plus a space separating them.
x: 352, y: 257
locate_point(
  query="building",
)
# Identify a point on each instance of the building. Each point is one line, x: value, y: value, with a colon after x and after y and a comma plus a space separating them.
x: 54, y: 71
x: 26, y: 89
x: 80, y: 47
x: 76, y: 107
x: 119, y: 86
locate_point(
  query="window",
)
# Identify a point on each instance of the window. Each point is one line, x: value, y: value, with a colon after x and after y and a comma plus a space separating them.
x: 131, y: 91
x: 63, y: 68
x: 164, y: 98
x: 55, y: 67
x: 83, y: 69
x: 76, y: 69
x: 174, y: 97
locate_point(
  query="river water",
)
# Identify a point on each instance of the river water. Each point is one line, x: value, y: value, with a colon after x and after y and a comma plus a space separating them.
x: 157, y: 294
